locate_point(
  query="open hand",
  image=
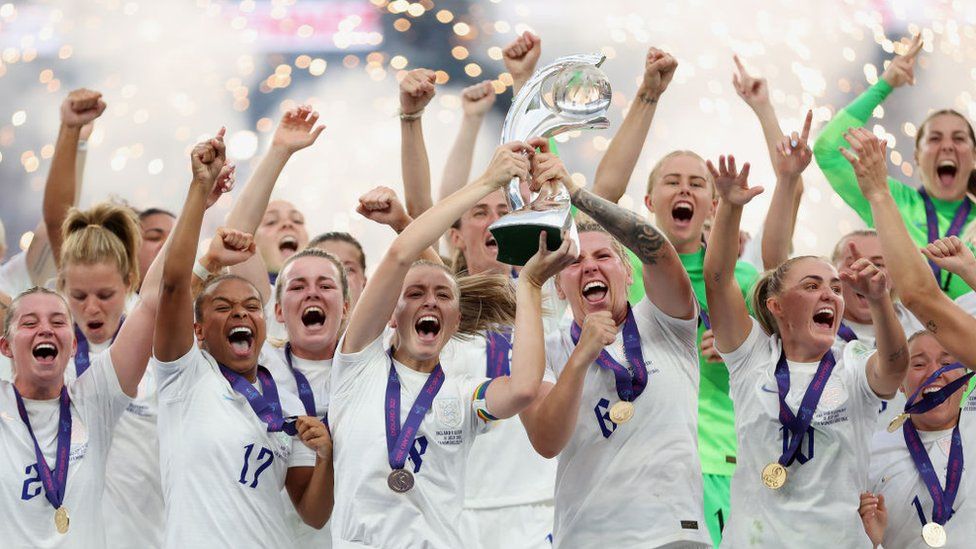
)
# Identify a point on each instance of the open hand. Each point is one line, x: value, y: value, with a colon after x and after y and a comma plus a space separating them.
x: 733, y: 186
x: 868, y: 160
x: 297, y: 129
x: 545, y: 264
x: 794, y: 152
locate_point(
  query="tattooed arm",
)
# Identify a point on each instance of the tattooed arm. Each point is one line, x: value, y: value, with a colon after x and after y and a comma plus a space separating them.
x: 665, y: 280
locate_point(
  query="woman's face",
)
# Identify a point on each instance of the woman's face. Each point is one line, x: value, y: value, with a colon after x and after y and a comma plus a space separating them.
x: 96, y: 294
x: 312, y: 306
x: 945, y: 156
x: 473, y: 238
x: 41, y: 340
x: 232, y: 327
x: 855, y: 305
x: 597, y: 281
x: 281, y: 234
x: 682, y: 199
x: 925, y: 356
x: 810, y: 307
x: 155, y: 231
x: 428, y: 313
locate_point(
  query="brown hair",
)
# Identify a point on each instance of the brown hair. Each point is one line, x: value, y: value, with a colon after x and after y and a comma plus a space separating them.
x: 340, y: 237
x: 105, y: 233
x: 770, y: 284
x: 839, y: 247
x: 205, y: 291
x: 971, y: 184
x: 659, y: 167
x: 313, y: 252
x: 486, y: 301
x: 15, y: 302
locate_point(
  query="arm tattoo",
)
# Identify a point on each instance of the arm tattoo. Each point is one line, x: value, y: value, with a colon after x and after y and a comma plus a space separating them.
x: 897, y: 355
x: 930, y: 326
x: 628, y: 227
x: 647, y: 98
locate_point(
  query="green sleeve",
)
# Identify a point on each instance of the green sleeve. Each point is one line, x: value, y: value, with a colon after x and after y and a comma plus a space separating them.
x: 836, y: 168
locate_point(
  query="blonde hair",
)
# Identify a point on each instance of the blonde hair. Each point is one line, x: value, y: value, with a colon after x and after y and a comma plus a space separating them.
x: 771, y: 284
x: 313, y: 252
x: 839, y: 247
x: 659, y: 167
x: 105, y: 233
x: 486, y: 301
x: 15, y: 302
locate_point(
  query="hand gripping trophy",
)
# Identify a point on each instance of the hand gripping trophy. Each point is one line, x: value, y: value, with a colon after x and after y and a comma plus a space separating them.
x: 570, y: 94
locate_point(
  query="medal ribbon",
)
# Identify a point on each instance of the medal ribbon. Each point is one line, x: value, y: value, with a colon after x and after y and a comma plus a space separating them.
x: 932, y: 220
x: 400, y: 439
x: 704, y: 319
x: 629, y: 385
x: 54, y: 481
x: 942, y: 500
x: 846, y: 333
x: 266, y: 406
x: 82, y: 358
x: 800, y: 422
x: 497, y: 348
x: 931, y: 400
x: 304, y: 387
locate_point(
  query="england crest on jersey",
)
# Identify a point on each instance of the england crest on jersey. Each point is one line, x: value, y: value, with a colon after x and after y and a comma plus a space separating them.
x: 448, y: 412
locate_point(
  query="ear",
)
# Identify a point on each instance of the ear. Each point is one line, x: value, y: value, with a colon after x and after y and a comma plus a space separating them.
x: 774, y: 306
x: 648, y: 203
x: 712, y: 209
x: 279, y: 316
x: 455, y: 237
x: 559, y: 290
x: 198, y: 331
x: 5, y: 349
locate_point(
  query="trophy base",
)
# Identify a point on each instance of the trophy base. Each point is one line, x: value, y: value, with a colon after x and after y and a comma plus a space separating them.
x: 517, y: 234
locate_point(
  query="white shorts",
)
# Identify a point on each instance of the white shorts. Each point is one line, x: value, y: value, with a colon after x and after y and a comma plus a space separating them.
x: 514, y: 527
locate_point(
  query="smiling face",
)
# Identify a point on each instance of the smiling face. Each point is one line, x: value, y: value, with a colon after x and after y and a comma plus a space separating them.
x: 155, y: 230
x: 311, y: 306
x: 945, y: 155
x: 597, y: 281
x: 682, y: 200
x: 855, y: 305
x: 810, y: 306
x: 231, y: 325
x: 926, y: 356
x: 352, y: 261
x: 427, y: 315
x: 40, y: 340
x: 281, y: 234
x: 96, y: 294
x: 474, y: 240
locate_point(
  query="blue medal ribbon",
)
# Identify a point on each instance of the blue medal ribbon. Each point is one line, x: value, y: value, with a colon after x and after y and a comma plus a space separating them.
x: 846, y: 333
x: 304, y: 387
x: 54, y: 481
x: 82, y: 357
x: 932, y: 220
x: 942, y: 499
x: 498, y: 345
x: 703, y: 318
x: 266, y: 406
x: 800, y: 422
x: 399, y: 439
x: 630, y: 384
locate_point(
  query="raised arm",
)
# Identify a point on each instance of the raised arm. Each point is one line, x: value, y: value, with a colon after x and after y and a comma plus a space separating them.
x: 520, y: 57
x: 509, y: 395
x: 838, y: 172
x: 382, y: 292
x: 79, y: 108
x: 909, y: 272
x: 616, y: 167
x: 173, y: 336
x: 296, y: 131
x: 665, y: 280
x: 382, y: 206
x: 886, y: 368
x: 476, y: 101
x: 416, y: 90
x: 727, y: 309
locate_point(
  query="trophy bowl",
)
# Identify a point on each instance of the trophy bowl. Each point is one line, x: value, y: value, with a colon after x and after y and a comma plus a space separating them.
x: 570, y: 94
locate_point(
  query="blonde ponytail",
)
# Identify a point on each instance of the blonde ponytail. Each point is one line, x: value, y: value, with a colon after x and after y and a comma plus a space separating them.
x: 105, y: 233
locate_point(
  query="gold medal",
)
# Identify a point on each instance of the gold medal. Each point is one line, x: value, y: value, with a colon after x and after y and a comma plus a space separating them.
x: 896, y: 423
x: 61, y: 520
x: 621, y: 412
x: 774, y: 476
x: 934, y: 534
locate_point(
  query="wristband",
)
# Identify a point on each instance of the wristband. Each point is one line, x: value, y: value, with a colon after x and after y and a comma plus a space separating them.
x: 200, y: 271
x: 411, y: 116
x: 82, y: 145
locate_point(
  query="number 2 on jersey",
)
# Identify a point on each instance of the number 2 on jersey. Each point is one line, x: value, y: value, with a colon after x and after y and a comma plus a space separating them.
x: 263, y: 460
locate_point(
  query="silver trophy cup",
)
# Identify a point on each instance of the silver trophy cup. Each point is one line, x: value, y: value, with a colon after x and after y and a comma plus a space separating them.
x: 570, y: 94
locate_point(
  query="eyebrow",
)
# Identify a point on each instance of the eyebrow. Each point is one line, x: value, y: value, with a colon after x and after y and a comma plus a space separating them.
x: 231, y: 302
x: 690, y: 176
x: 819, y: 278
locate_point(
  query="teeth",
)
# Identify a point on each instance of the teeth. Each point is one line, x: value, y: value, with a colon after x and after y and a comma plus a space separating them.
x: 947, y: 162
x: 313, y: 309
x: 240, y: 330
x: 826, y: 310
x: 44, y: 347
x: 594, y: 284
x: 931, y: 389
x: 428, y: 318
x: 289, y: 240
x: 683, y: 206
